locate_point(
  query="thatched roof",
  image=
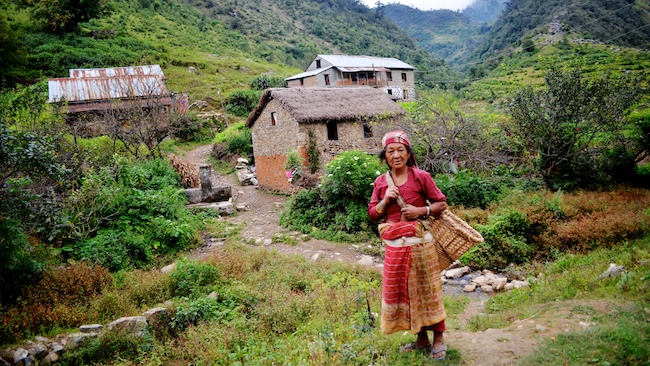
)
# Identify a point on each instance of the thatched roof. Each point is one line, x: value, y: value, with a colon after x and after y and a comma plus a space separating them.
x: 312, y: 105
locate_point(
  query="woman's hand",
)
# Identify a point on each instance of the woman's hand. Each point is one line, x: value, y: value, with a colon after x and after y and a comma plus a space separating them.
x: 391, y: 194
x: 411, y: 212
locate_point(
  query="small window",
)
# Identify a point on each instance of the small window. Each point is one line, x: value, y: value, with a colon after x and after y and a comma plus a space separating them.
x: 332, y: 131
x: 389, y: 75
x: 274, y: 118
x: 327, y: 79
x: 367, y: 130
x: 390, y: 91
x: 302, y: 82
x: 403, y: 76
x: 318, y: 64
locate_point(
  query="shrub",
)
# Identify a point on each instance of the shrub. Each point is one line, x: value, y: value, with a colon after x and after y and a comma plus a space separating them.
x: 265, y: 81
x: 126, y: 215
x: 505, y: 242
x: 193, y: 278
x: 338, y: 209
x: 189, y: 127
x: 468, y: 189
x: 107, y: 348
x: 242, y: 102
x: 241, y: 143
x: 203, y: 309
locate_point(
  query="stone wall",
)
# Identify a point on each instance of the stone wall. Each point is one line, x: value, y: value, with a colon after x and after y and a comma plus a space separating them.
x: 271, y: 143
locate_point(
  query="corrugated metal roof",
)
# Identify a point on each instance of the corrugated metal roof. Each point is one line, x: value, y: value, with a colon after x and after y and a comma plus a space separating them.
x: 308, y: 73
x: 117, y: 71
x: 364, y: 61
x: 98, y: 88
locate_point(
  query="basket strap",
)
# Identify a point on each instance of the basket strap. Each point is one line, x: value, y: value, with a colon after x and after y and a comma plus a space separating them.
x: 389, y: 181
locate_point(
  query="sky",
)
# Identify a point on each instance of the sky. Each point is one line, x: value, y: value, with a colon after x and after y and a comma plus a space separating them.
x: 425, y: 4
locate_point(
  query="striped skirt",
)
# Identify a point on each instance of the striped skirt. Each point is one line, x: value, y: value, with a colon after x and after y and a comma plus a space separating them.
x: 411, y: 287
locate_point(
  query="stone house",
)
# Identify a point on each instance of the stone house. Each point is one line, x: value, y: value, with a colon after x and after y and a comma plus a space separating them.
x: 391, y: 75
x: 339, y: 119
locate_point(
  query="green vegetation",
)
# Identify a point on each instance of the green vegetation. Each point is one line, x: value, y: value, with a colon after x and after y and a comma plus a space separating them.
x: 337, y: 209
x: 84, y: 219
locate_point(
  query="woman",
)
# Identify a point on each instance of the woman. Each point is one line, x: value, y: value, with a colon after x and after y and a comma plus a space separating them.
x: 412, y: 287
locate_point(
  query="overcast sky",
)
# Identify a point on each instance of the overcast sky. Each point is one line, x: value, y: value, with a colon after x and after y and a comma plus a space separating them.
x: 425, y: 4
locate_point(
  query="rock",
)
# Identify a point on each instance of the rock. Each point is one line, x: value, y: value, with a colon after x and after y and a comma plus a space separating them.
x: 481, y: 281
x: 20, y: 354
x: 366, y: 260
x: 242, y: 161
x: 268, y: 242
x: 241, y: 207
x: 75, y: 339
x: 169, y: 268
x: 213, y: 295
x: 253, y: 181
x: 518, y: 284
x: 136, y: 325
x: 57, y: 347
x: 90, y: 328
x: 612, y: 271
x: 499, y: 283
x: 194, y: 195
x: 42, y: 339
x: 457, y: 272
x: 51, y: 358
x: 38, y: 350
x: 315, y: 257
x: 469, y: 288
x: 487, y: 288
x: 540, y: 328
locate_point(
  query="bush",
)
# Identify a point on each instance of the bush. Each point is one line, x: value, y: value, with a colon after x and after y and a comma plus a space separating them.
x: 506, y: 241
x: 267, y: 81
x: 193, y: 278
x: 468, y: 189
x: 203, y: 309
x: 189, y: 127
x: 124, y: 216
x: 338, y: 209
x: 241, y: 103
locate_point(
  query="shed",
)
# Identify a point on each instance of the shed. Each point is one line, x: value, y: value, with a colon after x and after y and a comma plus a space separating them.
x: 339, y: 119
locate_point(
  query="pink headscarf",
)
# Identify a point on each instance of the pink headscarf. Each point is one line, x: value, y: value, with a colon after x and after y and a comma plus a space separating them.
x: 399, y: 137
x: 395, y: 136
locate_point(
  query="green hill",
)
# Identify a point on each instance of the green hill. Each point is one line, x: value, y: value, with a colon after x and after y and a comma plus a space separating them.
x: 228, y: 42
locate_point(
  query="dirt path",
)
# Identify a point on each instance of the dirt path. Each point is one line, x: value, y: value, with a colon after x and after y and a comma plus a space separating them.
x: 488, y: 348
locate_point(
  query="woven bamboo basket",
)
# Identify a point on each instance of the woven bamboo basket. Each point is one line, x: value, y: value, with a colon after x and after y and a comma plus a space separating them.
x: 453, y: 237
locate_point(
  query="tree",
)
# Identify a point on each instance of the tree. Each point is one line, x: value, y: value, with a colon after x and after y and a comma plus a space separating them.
x: 445, y: 137
x: 60, y: 16
x: 571, y: 121
x: 140, y: 123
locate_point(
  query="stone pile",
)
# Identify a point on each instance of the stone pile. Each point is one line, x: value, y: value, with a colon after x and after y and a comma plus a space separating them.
x: 47, y: 351
x: 245, y: 173
x: 485, y: 280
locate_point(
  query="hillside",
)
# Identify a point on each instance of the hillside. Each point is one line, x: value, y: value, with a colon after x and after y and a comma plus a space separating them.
x: 228, y: 42
x: 448, y: 34
x: 472, y: 37
x: 444, y: 33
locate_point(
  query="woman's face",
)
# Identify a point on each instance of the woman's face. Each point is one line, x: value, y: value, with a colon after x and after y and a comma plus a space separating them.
x: 396, y: 155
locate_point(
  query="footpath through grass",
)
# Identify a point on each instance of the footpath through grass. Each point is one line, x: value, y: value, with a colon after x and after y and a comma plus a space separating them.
x: 273, y: 309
